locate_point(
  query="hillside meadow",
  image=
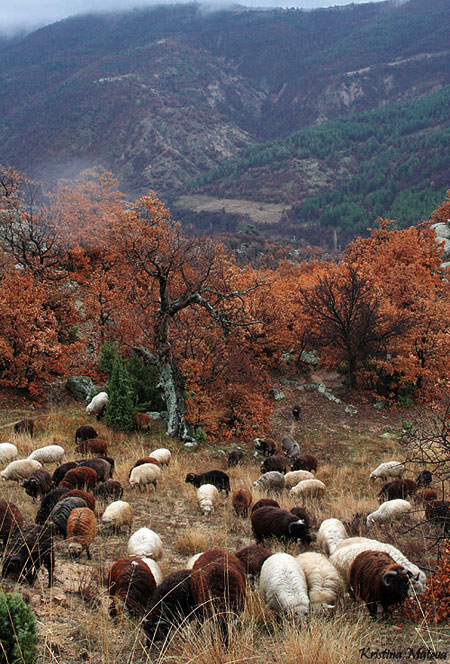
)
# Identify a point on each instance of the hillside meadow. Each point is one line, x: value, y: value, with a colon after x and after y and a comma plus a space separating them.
x: 74, y: 624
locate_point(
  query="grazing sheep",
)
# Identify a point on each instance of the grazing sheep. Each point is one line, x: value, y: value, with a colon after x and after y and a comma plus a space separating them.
x: 154, y: 569
x: 193, y: 559
x: 143, y: 422
x: 397, y: 489
x: 296, y: 412
x: 27, y: 550
x: 424, y: 479
x: 87, y: 497
x: 61, y: 512
x: 118, y: 514
x: 48, y: 502
x: 145, y: 542
x: 306, y: 462
x: 109, y: 490
x: 10, y: 520
x: 438, y: 512
x: 234, y: 458
x: 291, y: 448
x: 48, y: 454
x: 325, y: 584
x: 20, y: 469
x: 144, y: 475
x: 388, y: 511
x: 38, y: 483
x: 279, y: 523
x: 308, y: 489
x: 330, y: 534
x: 216, y: 477
x: 388, y: 470
x: 162, y: 455
x: 252, y: 558
x: 24, y: 426
x: 8, y: 452
x: 85, y: 432
x: 283, y: 586
x: 376, y: 578
x: 207, y: 497
x: 425, y: 496
x: 131, y: 581
x: 79, y: 478
x: 301, y: 513
x: 61, y: 470
x: 277, y: 462
x: 81, y: 531
x: 241, y: 500
x: 264, y: 502
x: 296, y: 476
x: 171, y: 604
x: 140, y: 462
x: 97, y: 404
x: 101, y: 466
x: 270, y: 482
x: 92, y: 446
x: 266, y: 446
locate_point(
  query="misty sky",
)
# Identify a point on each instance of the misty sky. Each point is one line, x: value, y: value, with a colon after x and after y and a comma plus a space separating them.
x: 18, y: 14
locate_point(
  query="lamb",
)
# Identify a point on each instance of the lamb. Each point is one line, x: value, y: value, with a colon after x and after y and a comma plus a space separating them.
x: 24, y: 426
x: 8, y: 452
x: 216, y: 477
x: 61, y: 470
x: 272, y: 481
x: 87, y: 497
x: 93, y: 446
x: 154, y: 569
x: 131, y: 581
x: 291, y: 448
x: 234, y: 458
x: 264, y: 502
x: 20, y: 469
x: 438, y: 512
x: 144, y: 475
x: 377, y: 578
x: 388, y: 511
x: 61, y: 512
x: 11, y: 520
x: 277, y: 462
x: 308, y: 489
x: 97, y: 404
x: 162, y: 455
x: 38, y: 483
x: 79, y: 478
x: 283, y: 586
x: 266, y: 446
x: 241, y: 500
x: 48, y: 502
x: 81, y: 531
x: 143, y: 422
x: 145, y: 542
x: 48, y: 454
x: 325, y: 584
x: 388, y: 470
x: 425, y: 496
x: 85, y: 432
x: 171, y: 604
x: 279, y: 523
x: 306, y: 462
x: 296, y: 476
x: 118, y: 514
x: 330, y: 534
x: 252, y: 558
x: 28, y: 549
x: 207, y: 496
x: 111, y: 489
x: 397, y: 489
x: 101, y: 466
x: 424, y: 478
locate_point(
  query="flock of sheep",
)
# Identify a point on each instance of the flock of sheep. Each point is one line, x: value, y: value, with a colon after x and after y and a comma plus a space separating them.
x: 213, y: 582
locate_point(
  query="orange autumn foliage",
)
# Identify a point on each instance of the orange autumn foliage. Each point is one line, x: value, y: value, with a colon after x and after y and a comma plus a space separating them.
x: 434, y: 605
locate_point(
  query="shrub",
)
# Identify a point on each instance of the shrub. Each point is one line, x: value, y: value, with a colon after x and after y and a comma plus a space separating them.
x: 144, y: 380
x: 17, y: 629
x: 119, y: 412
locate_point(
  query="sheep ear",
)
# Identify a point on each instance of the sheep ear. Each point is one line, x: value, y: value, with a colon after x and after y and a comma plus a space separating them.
x: 387, y: 577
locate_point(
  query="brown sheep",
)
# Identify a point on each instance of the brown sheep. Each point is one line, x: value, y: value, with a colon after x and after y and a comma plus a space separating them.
x: 377, y: 579
x: 234, y: 458
x: 130, y: 580
x: 38, y: 483
x: 306, y: 462
x: 241, y: 500
x: 28, y: 549
x: 398, y: 488
x: 24, y: 426
x: 279, y: 523
x: 109, y: 490
x: 424, y: 479
x: 425, y: 496
x: 252, y: 558
x: 79, y: 478
x: 140, y: 462
x: 101, y: 466
x: 438, y: 512
x: 143, y: 422
x: 92, y: 446
x: 264, y: 502
x: 279, y: 463
x: 81, y: 531
x: 266, y: 446
x: 85, y: 432
x: 61, y: 470
x: 10, y: 520
x: 171, y: 604
x: 87, y: 497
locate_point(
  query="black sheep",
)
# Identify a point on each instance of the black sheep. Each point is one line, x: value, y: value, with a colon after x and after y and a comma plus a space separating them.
x: 234, y: 458
x: 279, y: 523
x: 61, y: 470
x: 28, y: 549
x: 216, y: 477
x: 85, y: 432
x: 296, y: 412
x: 264, y: 502
x: 252, y: 558
x: 61, y: 512
x: 101, y: 466
x: 170, y: 605
x: 38, y: 483
x: 424, y: 479
x: 48, y: 502
x: 279, y: 463
x: 109, y: 490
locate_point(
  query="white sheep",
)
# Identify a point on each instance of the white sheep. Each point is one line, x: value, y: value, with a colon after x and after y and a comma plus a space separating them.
x: 295, y: 476
x: 154, y: 569
x: 331, y: 533
x: 388, y: 511
x: 207, y: 497
x: 325, y: 584
x: 8, y: 452
x: 308, y: 489
x: 346, y: 552
x: 20, y: 469
x: 118, y: 514
x: 97, y: 404
x: 48, y: 454
x: 283, y: 586
x: 162, y: 455
x: 387, y: 470
x: 272, y: 481
x: 193, y: 559
x: 147, y: 473
x: 145, y: 542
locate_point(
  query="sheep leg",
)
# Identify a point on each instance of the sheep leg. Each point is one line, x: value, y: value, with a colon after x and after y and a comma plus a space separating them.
x: 372, y: 606
x: 88, y: 554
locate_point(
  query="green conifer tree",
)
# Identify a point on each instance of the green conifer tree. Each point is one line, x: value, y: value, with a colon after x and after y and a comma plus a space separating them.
x: 119, y: 412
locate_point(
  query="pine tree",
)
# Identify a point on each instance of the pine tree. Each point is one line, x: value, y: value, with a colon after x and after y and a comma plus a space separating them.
x: 119, y: 409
